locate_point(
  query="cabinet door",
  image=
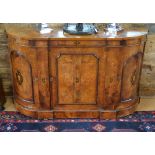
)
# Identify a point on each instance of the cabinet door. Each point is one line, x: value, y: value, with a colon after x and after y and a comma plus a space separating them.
x: 77, y: 79
x: 22, y: 78
x: 74, y: 76
x: 130, y: 77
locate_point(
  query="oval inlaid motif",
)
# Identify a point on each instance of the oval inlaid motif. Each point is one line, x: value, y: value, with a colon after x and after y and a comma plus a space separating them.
x: 19, y: 77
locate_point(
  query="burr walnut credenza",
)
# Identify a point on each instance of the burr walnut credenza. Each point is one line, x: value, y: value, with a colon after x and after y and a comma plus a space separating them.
x: 58, y: 75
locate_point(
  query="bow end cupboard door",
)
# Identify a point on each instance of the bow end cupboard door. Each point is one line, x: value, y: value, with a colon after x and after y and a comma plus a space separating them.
x: 23, y: 79
x: 77, y: 78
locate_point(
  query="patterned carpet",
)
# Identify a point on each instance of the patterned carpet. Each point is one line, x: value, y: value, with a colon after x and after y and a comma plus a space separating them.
x: 138, y: 122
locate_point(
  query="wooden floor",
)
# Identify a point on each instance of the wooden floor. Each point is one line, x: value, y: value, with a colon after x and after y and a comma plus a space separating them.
x: 146, y: 104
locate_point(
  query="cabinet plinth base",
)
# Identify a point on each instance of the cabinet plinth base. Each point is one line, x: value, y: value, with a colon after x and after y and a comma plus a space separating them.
x: 99, y: 114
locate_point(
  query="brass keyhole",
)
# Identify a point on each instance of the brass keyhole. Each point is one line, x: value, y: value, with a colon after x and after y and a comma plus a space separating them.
x: 77, y: 80
x: 44, y: 80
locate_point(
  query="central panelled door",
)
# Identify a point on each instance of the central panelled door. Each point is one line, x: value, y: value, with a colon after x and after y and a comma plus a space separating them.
x: 77, y: 79
x: 75, y: 74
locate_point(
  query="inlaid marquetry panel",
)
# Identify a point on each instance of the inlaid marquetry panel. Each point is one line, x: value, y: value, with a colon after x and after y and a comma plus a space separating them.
x: 22, y: 76
x: 130, y: 77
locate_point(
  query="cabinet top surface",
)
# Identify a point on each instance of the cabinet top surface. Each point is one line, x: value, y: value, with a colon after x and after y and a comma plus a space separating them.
x: 31, y: 33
